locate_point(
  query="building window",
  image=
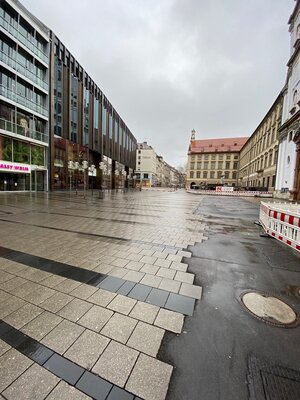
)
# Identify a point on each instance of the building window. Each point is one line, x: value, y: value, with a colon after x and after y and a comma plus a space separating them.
x: 220, y: 156
x: 220, y: 164
x: 212, y: 174
x: 198, y: 174
x: 236, y: 157
x: 139, y: 163
x: 192, y: 165
x: 234, y: 175
x: 226, y: 174
x: 192, y: 174
x: 205, y: 174
x: 273, y: 180
x: 290, y: 136
x: 213, y: 165
x: 206, y: 157
x: 227, y: 165
x: 228, y: 156
x: 205, y: 165
x: 213, y: 157
x: 235, y: 165
x: 219, y: 174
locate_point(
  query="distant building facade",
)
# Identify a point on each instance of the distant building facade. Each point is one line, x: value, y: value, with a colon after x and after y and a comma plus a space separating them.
x: 259, y: 155
x: 213, y: 162
x: 288, y: 171
x: 146, y: 165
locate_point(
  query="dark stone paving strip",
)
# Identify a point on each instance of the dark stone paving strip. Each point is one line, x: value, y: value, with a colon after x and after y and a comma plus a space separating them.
x: 115, y: 238
x: 163, y: 298
x: 73, y: 374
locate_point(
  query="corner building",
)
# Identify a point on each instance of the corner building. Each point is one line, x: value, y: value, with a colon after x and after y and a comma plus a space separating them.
x: 84, y: 126
x: 24, y: 89
x: 213, y: 162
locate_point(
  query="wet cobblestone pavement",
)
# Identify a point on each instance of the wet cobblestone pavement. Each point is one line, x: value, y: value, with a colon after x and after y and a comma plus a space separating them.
x: 88, y: 290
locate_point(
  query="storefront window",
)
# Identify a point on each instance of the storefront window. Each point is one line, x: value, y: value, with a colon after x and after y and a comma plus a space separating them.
x: 21, y: 152
x: 37, y: 155
x: 5, y: 149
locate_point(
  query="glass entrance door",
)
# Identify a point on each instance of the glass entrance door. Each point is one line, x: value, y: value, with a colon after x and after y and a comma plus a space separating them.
x: 38, y: 181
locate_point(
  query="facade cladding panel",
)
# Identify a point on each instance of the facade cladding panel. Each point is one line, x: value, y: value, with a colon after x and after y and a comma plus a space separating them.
x: 84, y: 126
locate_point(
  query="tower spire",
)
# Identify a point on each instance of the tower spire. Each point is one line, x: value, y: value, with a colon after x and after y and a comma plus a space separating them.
x: 193, y: 135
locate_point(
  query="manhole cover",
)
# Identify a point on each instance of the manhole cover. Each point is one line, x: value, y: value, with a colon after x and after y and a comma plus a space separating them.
x: 269, y: 309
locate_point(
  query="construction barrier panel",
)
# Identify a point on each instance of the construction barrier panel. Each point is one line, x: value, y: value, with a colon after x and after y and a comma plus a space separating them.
x: 235, y: 194
x: 282, y: 221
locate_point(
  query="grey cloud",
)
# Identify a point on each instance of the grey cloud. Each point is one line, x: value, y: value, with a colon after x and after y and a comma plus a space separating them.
x: 172, y: 65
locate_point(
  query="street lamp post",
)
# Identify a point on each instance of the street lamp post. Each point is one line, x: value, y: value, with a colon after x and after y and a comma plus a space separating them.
x: 103, y: 169
x: 76, y: 167
x: 70, y: 167
x: 84, y: 166
x: 92, y: 170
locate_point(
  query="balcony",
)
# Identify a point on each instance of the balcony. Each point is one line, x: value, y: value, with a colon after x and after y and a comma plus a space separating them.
x: 26, y: 42
x: 10, y: 94
x: 22, y: 70
x: 21, y: 130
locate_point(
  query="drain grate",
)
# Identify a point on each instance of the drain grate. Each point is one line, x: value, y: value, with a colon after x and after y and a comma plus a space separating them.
x: 269, y: 309
x: 267, y: 381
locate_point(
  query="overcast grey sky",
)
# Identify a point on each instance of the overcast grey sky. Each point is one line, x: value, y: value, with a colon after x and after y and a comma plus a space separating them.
x: 169, y: 66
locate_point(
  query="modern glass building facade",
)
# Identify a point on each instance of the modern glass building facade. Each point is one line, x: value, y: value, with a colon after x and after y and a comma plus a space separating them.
x: 24, y: 77
x: 53, y: 113
x: 84, y: 126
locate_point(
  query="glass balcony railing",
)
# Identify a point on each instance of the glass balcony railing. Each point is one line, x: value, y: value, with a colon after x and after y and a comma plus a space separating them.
x: 28, y: 43
x: 12, y: 95
x: 22, y: 70
x: 21, y: 130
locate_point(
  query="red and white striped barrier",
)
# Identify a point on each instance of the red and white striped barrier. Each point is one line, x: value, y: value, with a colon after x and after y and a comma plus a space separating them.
x: 234, y: 194
x: 282, y: 221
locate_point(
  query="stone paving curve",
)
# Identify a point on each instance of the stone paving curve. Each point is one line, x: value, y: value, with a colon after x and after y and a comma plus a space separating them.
x: 88, y: 288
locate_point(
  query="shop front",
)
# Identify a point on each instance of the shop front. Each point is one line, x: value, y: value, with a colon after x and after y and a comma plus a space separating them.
x: 22, y: 177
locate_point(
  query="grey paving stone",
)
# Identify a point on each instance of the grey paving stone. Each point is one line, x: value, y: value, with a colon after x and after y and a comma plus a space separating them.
x: 191, y: 291
x: 178, y: 266
x: 163, y: 263
x: 12, y: 284
x: 62, y: 336
x: 63, y: 391
x: 160, y: 255
x: 148, y: 259
x: 126, y: 288
x: 181, y: 304
x: 10, y: 305
x: 151, y: 280
x: 150, y: 378
x: 64, y: 368
x: 119, y: 262
x: 169, y: 285
x: 41, y: 325
x: 5, y: 276
x: 40, y: 294
x: 94, y: 386
x: 166, y: 273
x: 133, y: 276
x: 53, y: 280
x: 83, y: 291
x: 4, y: 296
x: 111, y: 283
x: 75, y: 309
x: 169, y: 320
x: 120, y: 394
x: 157, y: 297
x: 23, y: 315
x: 122, y: 304
x: 96, y: 318
x: 149, y: 269
x: 67, y: 286
x: 119, y: 327
x: 134, y: 265
x: 87, y: 349
x: 116, y: 363
x: 118, y: 272
x: 103, y: 268
x: 12, y: 364
x: 102, y: 297
x: 56, y: 302
x: 35, y: 384
x: 4, y: 347
x: 144, y: 312
x: 146, y: 338
x: 140, y: 292
x: 184, y: 277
